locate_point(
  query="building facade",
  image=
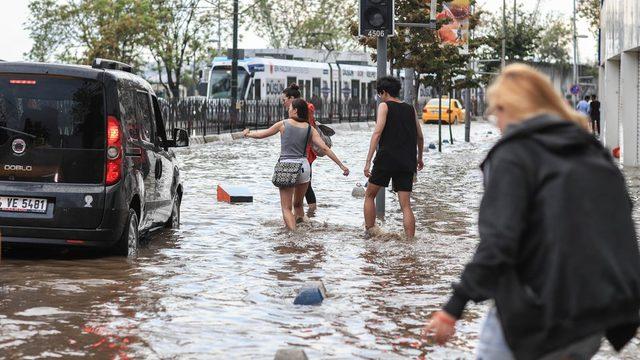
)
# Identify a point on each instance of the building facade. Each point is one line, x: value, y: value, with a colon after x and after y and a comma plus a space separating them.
x: 620, y: 77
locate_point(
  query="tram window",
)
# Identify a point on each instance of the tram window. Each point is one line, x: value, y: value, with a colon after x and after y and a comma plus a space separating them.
x: 316, y: 87
x: 370, y: 91
x: 363, y: 92
x: 220, y: 83
x: 307, y: 90
x: 291, y: 80
x: 257, y: 88
x: 250, y: 93
x: 301, y: 86
x: 355, y: 89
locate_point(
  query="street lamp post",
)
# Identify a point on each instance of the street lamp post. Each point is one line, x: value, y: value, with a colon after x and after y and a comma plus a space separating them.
x: 504, y: 34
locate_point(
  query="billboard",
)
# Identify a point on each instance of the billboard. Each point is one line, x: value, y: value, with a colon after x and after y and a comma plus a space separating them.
x: 456, y: 31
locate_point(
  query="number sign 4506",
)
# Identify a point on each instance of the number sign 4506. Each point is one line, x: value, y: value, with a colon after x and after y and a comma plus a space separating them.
x: 376, y: 33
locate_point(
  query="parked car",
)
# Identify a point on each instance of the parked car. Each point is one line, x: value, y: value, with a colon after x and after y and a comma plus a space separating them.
x: 84, y: 157
x: 453, y: 114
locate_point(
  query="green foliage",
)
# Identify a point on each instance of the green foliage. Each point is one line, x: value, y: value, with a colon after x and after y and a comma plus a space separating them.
x: 79, y: 31
x: 535, y: 38
x: 180, y: 32
x: 590, y: 10
x: 554, y: 41
x: 173, y: 32
x: 312, y: 24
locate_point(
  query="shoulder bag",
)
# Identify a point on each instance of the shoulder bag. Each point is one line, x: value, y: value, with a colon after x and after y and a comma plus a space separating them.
x: 285, y: 174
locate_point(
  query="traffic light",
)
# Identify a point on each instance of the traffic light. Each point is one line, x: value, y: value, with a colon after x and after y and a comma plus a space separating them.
x: 376, y: 18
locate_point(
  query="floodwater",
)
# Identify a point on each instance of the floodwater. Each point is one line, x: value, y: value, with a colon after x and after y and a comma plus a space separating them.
x: 222, y: 287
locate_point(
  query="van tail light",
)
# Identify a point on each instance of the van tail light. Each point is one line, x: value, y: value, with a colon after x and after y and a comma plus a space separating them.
x: 114, y: 151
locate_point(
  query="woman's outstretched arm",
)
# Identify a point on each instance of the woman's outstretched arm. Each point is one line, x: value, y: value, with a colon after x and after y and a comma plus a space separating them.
x: 261, y: 134
x: 317, y: 140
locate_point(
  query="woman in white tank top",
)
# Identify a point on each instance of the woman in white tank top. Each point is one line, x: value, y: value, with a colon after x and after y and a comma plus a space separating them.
x: 293, y: 139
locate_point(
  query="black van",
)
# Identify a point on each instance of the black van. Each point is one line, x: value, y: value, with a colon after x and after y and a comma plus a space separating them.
x: 84, y: 157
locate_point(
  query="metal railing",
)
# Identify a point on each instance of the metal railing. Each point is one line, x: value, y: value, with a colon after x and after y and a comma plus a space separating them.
x: 201, y: 116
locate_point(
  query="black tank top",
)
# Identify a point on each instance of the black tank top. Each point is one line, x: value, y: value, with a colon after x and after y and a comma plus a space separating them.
x: 398, y: 143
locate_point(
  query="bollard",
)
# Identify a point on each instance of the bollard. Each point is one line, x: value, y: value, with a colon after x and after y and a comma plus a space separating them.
x: 432, y: 146
x: 312, y: 293
x: 358, y: 191
x: 291, y: 354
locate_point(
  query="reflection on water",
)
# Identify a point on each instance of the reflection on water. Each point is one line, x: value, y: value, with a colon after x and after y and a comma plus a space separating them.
x: 223, y: 285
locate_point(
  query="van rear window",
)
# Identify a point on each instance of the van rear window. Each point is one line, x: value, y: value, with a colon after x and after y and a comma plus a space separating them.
x: 52, y: 112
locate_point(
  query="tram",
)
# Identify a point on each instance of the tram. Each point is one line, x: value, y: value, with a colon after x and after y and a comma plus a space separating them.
x: 266, y: 78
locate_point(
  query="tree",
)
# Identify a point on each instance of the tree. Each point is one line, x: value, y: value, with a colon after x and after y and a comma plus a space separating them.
x: 79, y: 31
x: 180, y: 32
x: 590, y: 10
x: 554, y: 41
x: 173, y: 32
x: 535, y: 38
x: 305, y: 23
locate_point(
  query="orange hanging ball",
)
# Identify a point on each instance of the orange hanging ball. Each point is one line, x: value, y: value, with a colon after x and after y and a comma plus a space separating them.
x: 616, y: 152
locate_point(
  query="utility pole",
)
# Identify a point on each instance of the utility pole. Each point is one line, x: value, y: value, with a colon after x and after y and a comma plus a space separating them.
x: 515, y: 6
x: 382, y: 71
x: 219, y: 29
x: 408, y: 75
x: 575, y: 53
x: 504, y: 34
x: 234, y: 68
x: 467, y: 98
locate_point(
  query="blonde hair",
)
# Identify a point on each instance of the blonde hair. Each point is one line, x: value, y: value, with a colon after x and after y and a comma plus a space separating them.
x: 526, y: 92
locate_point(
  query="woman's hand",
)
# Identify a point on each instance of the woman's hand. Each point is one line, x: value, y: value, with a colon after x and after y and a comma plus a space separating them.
x: 367, y: 170
x: 420, y: 164
x: 345, y: 170
x: 245, y: 132
x: 440, y: 327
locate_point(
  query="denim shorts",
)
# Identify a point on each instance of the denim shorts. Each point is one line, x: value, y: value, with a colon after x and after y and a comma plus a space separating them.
x: 493, y: 346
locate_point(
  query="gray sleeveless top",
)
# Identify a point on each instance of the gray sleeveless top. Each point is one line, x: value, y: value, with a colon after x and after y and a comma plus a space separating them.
x: 293, y: 142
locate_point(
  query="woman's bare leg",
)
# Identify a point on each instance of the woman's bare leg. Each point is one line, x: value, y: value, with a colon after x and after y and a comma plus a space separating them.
x: 286, y: 203
x: 298, y: 200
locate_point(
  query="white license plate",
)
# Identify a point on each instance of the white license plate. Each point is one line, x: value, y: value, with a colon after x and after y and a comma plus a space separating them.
x: 20, y: 204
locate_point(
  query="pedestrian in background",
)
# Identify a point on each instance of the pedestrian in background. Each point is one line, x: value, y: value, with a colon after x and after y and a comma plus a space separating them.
x: 397, y: 142
x: 295, y: 135
x: 558, y: 251
x: 583, y: 106
x: 288, y: 95
x: 594, y: 113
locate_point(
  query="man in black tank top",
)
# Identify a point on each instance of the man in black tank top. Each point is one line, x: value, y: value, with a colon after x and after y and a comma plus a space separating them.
x: 398, y: 144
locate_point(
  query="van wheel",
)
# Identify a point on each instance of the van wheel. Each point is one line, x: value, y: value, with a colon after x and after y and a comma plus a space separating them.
x: 174, y: 220
x: 128, y: 243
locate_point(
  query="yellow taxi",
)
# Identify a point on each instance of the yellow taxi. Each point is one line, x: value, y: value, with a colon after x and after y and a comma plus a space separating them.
x: 454, y: 115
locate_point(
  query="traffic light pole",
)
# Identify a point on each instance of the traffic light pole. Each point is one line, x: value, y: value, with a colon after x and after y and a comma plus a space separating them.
x: 234, y: 68
x: 382, y: 71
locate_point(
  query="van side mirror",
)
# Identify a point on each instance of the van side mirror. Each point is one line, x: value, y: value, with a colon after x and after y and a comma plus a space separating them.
x: 180, y: 138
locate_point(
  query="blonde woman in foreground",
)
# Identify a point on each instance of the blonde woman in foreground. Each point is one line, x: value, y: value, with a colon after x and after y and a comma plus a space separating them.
x: 558, y: 252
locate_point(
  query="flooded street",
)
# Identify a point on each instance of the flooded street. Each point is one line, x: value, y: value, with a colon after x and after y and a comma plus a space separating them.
x: 223, y: 285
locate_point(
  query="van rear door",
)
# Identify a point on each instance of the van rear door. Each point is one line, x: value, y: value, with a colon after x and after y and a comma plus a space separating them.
x: 52, y: 151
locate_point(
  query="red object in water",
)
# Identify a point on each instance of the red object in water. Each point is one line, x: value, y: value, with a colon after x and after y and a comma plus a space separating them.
x: 616, y: 152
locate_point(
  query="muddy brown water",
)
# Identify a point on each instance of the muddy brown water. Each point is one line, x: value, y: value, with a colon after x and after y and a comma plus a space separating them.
x: 222, y: 286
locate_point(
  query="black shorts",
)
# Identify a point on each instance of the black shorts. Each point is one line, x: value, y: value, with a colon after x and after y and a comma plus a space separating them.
x: 402, y: 180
